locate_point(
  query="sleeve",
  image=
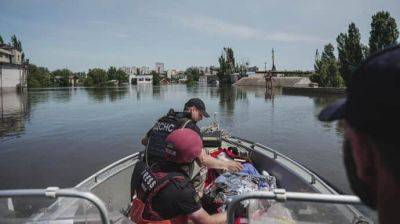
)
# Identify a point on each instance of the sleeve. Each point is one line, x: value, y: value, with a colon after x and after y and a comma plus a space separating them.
x: 135, y: 179
x: 188, y: 201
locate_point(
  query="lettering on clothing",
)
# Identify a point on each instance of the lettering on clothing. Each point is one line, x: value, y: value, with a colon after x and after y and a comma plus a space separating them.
x: 164, y: 126
x: 148, y: 181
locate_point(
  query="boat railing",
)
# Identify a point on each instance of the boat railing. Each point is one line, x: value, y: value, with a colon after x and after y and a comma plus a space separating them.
x: 280, y: 195
x: 55, y: 192
x: 276, y: 155
x: 108, y: 171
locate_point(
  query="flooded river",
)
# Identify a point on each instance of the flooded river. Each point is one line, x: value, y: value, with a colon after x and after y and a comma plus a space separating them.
x: 58, y: 137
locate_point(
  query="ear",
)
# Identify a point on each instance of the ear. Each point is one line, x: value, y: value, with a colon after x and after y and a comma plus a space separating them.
x: 364, y: 156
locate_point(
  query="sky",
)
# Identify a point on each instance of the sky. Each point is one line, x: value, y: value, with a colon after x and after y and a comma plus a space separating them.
x: 83, y: 34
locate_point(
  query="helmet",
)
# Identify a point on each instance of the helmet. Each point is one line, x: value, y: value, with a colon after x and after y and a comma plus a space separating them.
x: 183, y: 146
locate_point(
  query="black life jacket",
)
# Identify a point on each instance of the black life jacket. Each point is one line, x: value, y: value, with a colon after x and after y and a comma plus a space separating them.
x: 164, y: 126
x: 152, y: 182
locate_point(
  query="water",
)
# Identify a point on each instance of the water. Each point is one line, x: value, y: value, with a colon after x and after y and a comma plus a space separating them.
x: 58, y: 137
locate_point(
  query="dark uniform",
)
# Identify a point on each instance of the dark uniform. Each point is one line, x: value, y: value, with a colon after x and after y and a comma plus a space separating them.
x: 162, y: 195
x: 156, y: 142
x: 164, y: 126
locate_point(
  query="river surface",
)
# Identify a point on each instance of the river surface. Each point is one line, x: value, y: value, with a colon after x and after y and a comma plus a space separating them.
x: 58, y: 137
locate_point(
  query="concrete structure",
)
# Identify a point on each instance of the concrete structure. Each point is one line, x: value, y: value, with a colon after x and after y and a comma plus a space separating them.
x: 12, y: 77
x: 171, y: 73
x: 13, y: 72
x: 144, y: 70
x: 140, y: 79
x: 10, y: 55
x: 159, y: 67
x: 259, y: 80
x: 129, y: 70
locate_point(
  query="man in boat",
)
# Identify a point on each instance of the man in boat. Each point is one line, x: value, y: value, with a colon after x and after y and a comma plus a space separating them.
x: 371, y: 114
x: 194, y: 111
x: 165, y: 193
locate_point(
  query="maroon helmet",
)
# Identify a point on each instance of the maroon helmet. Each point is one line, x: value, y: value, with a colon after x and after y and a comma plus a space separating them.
x: 183, y: 146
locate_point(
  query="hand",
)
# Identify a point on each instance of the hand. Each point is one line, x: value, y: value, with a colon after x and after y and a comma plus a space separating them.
x: 233, y: 166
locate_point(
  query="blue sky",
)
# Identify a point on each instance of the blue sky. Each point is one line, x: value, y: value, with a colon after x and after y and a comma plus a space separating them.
x: 86, y: 34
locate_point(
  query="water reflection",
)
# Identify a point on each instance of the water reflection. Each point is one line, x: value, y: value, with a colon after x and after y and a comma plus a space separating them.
x: 13, y: 113
x: 320, y: 102
x: 228, y: 96
x: 102, y: 94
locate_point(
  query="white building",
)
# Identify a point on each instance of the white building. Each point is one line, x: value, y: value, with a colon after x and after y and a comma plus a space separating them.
x: 13, y: 72
x: 140, y: 79
x: 144, y: 70
x: 159, y: 67
x: 171, y: 73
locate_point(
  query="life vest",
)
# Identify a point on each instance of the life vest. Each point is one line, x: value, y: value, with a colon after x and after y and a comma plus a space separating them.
x: 164, y: 126
x: 151, y: 184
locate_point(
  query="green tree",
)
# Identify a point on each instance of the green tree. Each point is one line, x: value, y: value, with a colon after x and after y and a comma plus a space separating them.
x: 327, y: 69
x: 97, y: 76
x: 16, y: 43
x: 61, y: 76
x: 121, y: 76
x: 1, y: 40
x: 383, y: 33
x: 38, y: 77
x: 350, y: 51
x: 226, y: 66
x: 156, y: 78
x: 112, y: 73
x: 193, y: 75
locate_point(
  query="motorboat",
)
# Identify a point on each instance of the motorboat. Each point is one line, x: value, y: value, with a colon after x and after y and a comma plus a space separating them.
x: 105, y: 197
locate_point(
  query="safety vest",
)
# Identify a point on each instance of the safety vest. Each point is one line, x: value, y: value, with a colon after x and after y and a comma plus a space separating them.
x: 158, y: 134
x: 151, y: 184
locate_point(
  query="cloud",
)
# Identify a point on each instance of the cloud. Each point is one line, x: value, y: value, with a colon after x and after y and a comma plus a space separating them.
x: 215, y: 26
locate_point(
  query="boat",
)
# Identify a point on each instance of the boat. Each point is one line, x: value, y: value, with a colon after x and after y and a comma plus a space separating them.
x: 104, y: 197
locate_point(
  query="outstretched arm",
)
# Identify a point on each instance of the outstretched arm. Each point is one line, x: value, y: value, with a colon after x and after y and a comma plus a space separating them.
x: 202, y: 217
x: 213, y: 163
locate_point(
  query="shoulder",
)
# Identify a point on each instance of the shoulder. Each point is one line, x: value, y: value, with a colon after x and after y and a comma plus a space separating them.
x: 192, y: 125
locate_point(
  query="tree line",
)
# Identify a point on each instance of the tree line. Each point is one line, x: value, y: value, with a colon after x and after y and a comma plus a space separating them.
x: 42, y: 77
x: 336, y: 72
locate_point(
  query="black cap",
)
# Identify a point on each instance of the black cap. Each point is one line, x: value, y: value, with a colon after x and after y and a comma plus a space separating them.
x: 199, y: 104
x: 372, y: 104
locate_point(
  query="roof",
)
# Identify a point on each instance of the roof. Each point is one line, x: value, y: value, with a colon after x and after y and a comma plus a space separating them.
x: 6, y: 47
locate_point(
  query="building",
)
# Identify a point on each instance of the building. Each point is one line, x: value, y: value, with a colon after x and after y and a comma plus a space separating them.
x: 13, y: 72
x: 171, y: 73
x: 144, y: 70
x: 140, y: 79
x: 159, y: 67
x: 129, y: 70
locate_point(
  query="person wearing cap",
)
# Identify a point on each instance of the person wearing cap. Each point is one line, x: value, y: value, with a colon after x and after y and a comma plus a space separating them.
x: 371, y: 114
x: 164, y: 192
x: 194, y: 111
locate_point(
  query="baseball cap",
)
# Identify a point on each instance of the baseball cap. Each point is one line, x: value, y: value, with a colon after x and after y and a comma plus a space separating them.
x: 183, y: 146
x: 199, y: 104
x: 372, y: 103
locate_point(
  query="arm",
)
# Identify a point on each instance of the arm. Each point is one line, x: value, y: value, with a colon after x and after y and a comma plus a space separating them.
x: 202, y: 217
x: 213, y: 163
x: 144, y: 140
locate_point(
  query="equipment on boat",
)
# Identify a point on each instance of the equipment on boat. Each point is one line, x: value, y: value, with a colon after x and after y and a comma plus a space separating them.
x: 105, y: 196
